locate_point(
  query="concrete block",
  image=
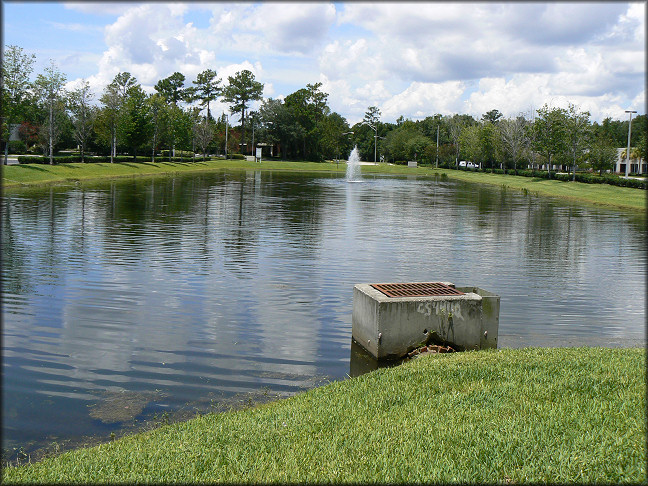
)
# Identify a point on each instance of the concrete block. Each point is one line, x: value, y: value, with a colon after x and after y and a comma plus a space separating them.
x: 390, y: 327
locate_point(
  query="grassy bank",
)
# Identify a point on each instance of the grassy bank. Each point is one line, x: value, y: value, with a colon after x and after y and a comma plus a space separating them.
x: 603, y: 194
x: 17, y: 176
x: 531, y: 415
x: 34, y: 174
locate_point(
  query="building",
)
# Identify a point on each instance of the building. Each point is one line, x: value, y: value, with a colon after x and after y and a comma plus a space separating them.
x: 637, y: 166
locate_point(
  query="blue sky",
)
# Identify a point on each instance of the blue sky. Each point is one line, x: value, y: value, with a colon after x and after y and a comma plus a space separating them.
x: 412, y: 60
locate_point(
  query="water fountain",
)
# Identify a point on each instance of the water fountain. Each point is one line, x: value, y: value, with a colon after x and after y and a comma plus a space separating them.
x: 353, y: 166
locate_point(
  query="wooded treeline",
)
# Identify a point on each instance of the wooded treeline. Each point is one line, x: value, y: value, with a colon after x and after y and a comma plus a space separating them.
x: 177, y: 119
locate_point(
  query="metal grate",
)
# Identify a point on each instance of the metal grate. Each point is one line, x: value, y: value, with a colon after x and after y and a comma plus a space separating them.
x: 423, y: 289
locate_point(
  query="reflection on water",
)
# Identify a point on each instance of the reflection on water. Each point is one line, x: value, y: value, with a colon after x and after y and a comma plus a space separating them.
x: 195, y: 289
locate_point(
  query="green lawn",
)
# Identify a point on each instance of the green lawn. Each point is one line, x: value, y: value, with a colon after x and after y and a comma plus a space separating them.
x: 19, y: 176
x: 532, y: 415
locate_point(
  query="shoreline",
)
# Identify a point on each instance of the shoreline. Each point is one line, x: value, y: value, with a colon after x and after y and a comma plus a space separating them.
x: 526, y: 415
x: 17, y: 177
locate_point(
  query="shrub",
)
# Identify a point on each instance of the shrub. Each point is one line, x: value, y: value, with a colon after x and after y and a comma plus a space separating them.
x: 17, y: 147
x: 178, y: 153
x: 236, y: 156
x: 33, y: 159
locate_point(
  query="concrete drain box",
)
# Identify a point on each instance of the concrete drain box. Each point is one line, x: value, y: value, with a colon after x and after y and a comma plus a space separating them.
x: 390, y: 320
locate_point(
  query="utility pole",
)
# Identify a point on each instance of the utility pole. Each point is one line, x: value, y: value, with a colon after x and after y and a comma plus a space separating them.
x: 628, y: 149
x: 375, y: 129
x: 437, y: 151
x: 226, y: 118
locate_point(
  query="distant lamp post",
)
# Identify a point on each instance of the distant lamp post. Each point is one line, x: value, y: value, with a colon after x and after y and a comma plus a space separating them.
x: 628, y: 150
x: 375, y: 129
x: 337, y: 161
x: 381, y: 157
x: 226, y: 120
x: 437, y: 150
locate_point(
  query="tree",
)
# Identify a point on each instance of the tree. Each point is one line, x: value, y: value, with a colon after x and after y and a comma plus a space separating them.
x: 123, y: 82
x: 136, y: 123
x: 82, y: 115
x: 577, y: 126
x: 489, y: 142
x: 157, y: 111
x: 415, y: 147
x: 176, y: 128
x: 513, y: 135
x: 550, y: 133
x: 396, y: 145
x: 455, y: 126
x: 333, y: 142
x: 204, y: 133
x: 206, y: 89
x: 492, y: 116
x: 16, y: 69
x: 109, y: 123
x: 372, y: 116
x: 278, y: 125
x: 602, y: 155
x: 108, y: 117
x: 308, y: 107
x: 50, y: 92
x: 471, y: 143
x: 172, y: 88
x: 241, y: 90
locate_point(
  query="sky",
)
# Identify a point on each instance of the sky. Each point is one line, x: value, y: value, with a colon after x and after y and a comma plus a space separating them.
x: 408, y: 59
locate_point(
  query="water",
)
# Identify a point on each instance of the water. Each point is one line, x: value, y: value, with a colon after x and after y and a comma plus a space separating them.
x: 130, y: 301
x: 353, y: 166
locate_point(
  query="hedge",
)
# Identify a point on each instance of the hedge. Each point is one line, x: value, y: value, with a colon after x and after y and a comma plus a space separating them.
x: 178, y: 153
x: 66, y: 159
x: 587, y: 178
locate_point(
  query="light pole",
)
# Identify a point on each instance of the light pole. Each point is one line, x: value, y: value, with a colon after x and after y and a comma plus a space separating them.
x: 375, y: 129
x: 226, y: 119
x: 337, y: 161
x: 628, y: 149
x: 437, y: 150
x: 381, y: 138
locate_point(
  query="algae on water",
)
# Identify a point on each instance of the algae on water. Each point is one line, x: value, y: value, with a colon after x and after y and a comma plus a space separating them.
x: 120, y: 406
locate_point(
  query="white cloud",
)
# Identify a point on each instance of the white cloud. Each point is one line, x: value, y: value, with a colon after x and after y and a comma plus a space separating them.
x: 522, y: 93
x: 292, y: 27
x: 349, y: 59
x: 425, y: 99
x: 397, y: 56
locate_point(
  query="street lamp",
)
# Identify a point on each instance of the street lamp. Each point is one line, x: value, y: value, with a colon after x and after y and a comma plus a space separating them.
x: 226, y: 120
x: 437, y: 150
x: 337, y: 161
x: 382, y: 138
x: 375, y: 129
x: 628, y: 150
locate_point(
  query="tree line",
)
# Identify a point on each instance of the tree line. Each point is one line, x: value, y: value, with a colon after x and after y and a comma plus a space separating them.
x: 177, y: 120
x: 548, y: 137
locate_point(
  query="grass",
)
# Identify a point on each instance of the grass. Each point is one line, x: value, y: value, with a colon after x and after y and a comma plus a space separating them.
x: 19, y: 176
x: 601, y: 194
x: 513, y: 416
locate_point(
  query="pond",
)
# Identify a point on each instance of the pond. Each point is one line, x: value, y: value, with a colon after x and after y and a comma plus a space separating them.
x: 135, y: 302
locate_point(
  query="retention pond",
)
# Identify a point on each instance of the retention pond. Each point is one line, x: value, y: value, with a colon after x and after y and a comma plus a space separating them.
x: 144, y: 300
